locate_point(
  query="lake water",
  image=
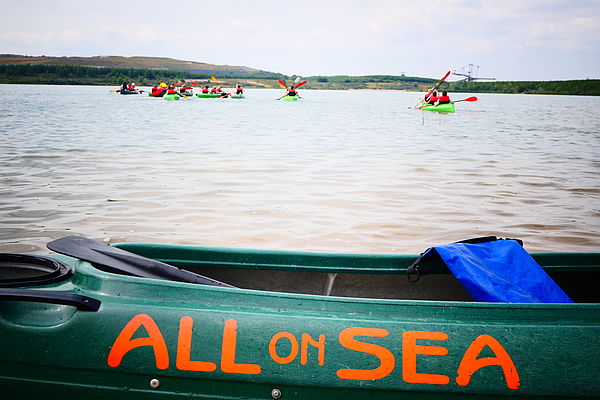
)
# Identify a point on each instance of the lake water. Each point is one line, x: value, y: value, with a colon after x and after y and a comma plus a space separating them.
x: 340, y: 171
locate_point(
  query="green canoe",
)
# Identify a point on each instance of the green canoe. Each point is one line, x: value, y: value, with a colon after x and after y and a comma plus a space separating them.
x: 292, y: 325
x: 237, y: 96
x: 171, y: 97
x: 290, y: 98
x: 209, y: 95
x: 442, y: 108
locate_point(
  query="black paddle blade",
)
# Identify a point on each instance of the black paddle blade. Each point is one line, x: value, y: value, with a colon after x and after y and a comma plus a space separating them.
x: 124, y: 261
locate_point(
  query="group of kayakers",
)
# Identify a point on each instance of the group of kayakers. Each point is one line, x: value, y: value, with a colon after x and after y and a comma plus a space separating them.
x: 239, y: 90
x: 432, y: 97
x: 128, y: 86
x: 162, y: 88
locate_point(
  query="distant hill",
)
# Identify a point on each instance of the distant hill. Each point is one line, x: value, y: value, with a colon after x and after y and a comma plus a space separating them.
x: 114, y: 70
x: 146, y: 71
x: 129, y: 62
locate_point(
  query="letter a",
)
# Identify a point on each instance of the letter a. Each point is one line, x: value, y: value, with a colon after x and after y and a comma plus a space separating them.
x: 124, y: 342
x: 469, y: 363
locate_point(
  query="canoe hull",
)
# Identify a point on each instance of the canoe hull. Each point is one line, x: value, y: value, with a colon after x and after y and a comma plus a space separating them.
x: 208, y: 95
x: 171, y: 97
x: 442, y: 108
x: 290, y: 98
x: 244, y: 343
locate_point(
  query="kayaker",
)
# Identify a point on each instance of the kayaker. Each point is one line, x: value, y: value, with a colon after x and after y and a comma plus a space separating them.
x: 157, y: 90
x: 444, y: 98
x: 185, y: 90
x: 433, y: 97
x: 291, y: 91
x: 427, y: 95
x: 171, y: 89
x: 213, y: 90
x: 124, y: 86
x: 239, y: 89
x: 205, y: 89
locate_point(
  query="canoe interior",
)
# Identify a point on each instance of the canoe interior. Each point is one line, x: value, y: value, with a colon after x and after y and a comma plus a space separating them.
x: 380, y: 276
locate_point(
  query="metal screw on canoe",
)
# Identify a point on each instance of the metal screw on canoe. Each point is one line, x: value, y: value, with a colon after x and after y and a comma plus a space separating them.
x: 154, y: 383
x: 276, y: 393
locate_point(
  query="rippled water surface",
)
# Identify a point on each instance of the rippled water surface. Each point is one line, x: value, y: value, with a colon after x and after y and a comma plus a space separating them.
x: 352, y: 171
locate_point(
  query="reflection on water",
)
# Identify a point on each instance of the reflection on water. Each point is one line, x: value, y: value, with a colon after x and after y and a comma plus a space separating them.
x: 354, y: 171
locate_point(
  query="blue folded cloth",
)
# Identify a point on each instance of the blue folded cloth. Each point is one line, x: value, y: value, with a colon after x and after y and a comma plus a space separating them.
x: 499, y: 271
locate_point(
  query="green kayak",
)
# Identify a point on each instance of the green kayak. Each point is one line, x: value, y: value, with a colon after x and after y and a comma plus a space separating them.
x: 237, y: 96
x: 171, y: 97
x: 210, y: 95
x: 441, y: 108
x: 230, y: 323
x: 290, y: 98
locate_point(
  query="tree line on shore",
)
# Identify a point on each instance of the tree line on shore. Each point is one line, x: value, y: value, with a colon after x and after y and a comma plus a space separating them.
x: 82, y: 75
x: 584, y: 87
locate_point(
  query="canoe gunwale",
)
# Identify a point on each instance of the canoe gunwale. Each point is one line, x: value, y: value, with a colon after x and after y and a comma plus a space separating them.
x: 87, y: 275
x: 383, y: 263
x: 399, y: 273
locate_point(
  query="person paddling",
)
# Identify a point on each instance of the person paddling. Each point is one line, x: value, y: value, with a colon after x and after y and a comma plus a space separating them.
x: 171, y: 89
x: 158, y: 90
x: 427, y: 95
x: 187, y: 90
x: 444, y: 98
x: 291, y: 91
x: 239, y: 89
x: 433, y: 97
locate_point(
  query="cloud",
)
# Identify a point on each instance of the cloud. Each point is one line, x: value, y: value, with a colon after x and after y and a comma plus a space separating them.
x: 316, y: 37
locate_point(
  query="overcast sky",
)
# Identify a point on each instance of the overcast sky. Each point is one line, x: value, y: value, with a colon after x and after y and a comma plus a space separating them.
x: 508, y: 40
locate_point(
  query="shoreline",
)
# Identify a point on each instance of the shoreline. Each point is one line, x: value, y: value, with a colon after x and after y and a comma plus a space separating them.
x: 259, y: 86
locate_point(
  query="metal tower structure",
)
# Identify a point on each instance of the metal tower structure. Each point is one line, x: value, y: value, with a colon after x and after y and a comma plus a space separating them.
x: 470, y: 73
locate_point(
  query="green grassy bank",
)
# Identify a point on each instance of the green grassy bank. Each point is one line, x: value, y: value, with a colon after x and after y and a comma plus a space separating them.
x: 82, y: 75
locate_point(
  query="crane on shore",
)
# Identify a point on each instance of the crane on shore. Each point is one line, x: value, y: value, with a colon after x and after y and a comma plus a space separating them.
x: 470, y: 73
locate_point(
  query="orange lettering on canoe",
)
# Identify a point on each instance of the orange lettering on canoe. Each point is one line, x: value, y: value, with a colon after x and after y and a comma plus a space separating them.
x: 124, y: 342
x: 470, y: 363
x: 273, y: 348
x: 386, y: 358
x: 320, y: 345
x: 184, y: 349
x: 410, y: 349
x: 228, y: 350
